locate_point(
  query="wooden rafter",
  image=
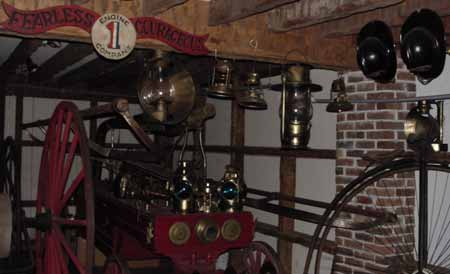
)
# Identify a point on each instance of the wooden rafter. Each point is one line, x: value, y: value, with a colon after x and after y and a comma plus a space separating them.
x: 121, y: 74
x: 231, y: 40
x: 69, y: 55
x: 311, y: 12
x: 226, y: 11
x: 154, y: 7
x: 394, y: 16
x: 18, y: 57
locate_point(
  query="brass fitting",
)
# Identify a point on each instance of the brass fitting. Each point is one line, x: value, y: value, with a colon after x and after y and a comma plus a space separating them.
x: 179, y: 233
x: 231, y: 230
x: 207, y: 231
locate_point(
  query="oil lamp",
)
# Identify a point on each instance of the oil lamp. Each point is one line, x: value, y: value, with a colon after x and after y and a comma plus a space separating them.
x: 221, y: 86
x: 253, y: 96
x: 296, y: 107
x: 341, y: 102
x: 165, y: 93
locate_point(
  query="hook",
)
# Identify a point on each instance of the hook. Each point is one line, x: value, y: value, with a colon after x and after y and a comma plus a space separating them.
x: 253, y: 43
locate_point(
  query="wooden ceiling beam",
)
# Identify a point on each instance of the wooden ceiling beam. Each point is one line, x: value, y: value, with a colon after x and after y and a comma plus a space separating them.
x: 93, y: 70
x: 18, y: 57
x: 154, y: 7
x: 69, y: 55
x: 311, y: 12
x: 394, y: 17
x: 232, y: 40
x: 226, y: 11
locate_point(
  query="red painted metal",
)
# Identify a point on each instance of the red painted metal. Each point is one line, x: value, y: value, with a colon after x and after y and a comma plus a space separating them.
x: 195, y: 255
x: 65, y: 155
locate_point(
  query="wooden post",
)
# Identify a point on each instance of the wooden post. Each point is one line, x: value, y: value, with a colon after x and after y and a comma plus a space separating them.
x: 2, y: 113
x: 237, y: 135
x: 287, y: 186
x: 92, y: 123
x: 18, y: 140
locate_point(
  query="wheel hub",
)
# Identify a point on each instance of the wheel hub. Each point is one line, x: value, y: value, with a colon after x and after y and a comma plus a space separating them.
x: 43, y: 221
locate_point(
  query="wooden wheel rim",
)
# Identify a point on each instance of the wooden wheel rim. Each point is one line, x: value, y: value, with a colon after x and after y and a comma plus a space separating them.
x: 259, y: 253
x: 66, y: 138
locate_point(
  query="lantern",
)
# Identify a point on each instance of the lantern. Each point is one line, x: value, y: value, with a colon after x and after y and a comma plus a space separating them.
x: 341, y: 102
x: 253, y: 96
x: 221, y: 86
x: 296, y: 107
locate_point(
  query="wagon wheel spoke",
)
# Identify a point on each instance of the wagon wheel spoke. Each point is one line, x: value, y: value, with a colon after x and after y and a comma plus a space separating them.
x: 65, y: 196
x: 68, y: 250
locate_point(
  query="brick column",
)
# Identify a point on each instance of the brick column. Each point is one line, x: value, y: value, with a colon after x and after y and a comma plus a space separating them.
x: 368, y: 128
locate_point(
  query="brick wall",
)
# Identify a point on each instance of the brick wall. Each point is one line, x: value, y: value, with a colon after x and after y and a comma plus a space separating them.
x: 371, y: 128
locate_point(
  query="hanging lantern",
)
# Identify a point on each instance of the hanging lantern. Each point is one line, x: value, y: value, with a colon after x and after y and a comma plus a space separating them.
x: 296, y: 106
x: 166, y: 94
x: 221, y: 86
x: 341, y: 102
x: 253, y: 96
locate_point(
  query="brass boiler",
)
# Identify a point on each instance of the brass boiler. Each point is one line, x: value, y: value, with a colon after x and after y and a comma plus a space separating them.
x: 166, y: 94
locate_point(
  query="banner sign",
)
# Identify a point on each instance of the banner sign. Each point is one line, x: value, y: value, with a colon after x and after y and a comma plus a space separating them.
x: 43, y: 20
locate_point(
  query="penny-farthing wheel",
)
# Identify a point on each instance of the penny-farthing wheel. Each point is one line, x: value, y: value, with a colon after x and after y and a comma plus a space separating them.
x: 65, y: 201
x: 260, y: 258
x: 417, y: 239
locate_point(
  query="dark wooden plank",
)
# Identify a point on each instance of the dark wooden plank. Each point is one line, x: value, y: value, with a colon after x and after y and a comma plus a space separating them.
x: 394, y: 16
x: 18, y: 57
x: 93, y: 70
x: 237, y: 135
x: 28, y: 90
x: 293, y: 236
x: 2, y: 114
x: 287, y: 187
x: 226, y: 11
x: 123, y: 74
x: 311, y: 12
x: 18, y: 140
x: 69, y: 55
x: 153, y: 7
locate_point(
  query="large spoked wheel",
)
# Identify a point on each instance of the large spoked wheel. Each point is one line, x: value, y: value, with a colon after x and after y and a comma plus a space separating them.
x: 65, y: 209
x: 417, y: 239
x: 260, y: 258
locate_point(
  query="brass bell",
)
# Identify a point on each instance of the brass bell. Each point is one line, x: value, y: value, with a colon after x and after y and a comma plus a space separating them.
x: 221, y: 86
x: 341, y: 102
x: 168, y: 96
x: 253, y: 96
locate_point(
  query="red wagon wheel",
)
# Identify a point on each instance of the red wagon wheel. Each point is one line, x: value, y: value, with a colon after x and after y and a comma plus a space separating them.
x: 65, y: 201
x: 260, y: 258
x: 114, y: 265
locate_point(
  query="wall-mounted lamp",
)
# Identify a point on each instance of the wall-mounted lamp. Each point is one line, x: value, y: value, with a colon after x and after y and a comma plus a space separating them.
x: 341, y: 102
x: 253, y: 96
x: 422, y: 129
x: 221, y: 85
x: 296, y: 106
